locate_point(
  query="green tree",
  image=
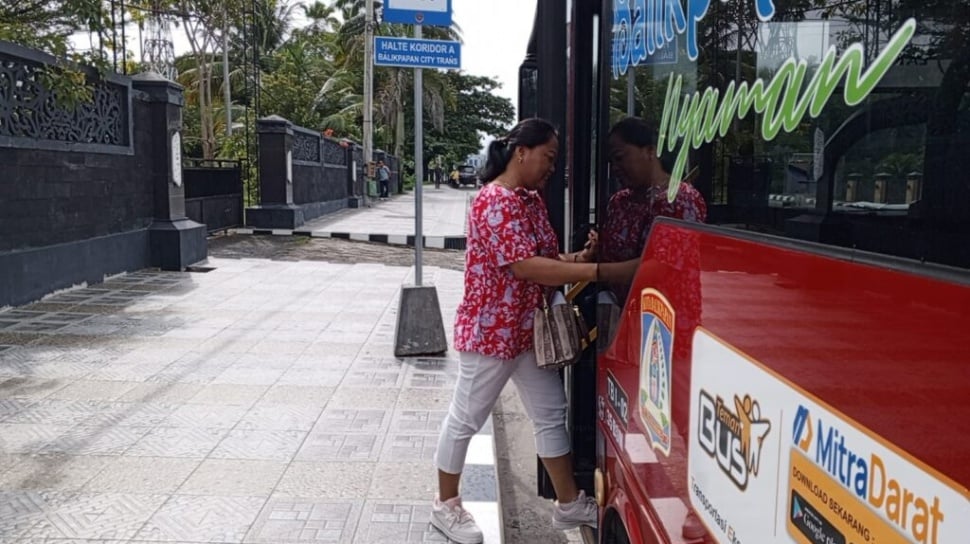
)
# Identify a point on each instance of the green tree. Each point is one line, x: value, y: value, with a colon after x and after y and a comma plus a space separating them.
x: 477, y: 111
x: 47, y: 25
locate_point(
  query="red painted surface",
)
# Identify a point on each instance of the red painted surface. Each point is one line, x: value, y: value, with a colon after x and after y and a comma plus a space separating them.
x: 887, y: 348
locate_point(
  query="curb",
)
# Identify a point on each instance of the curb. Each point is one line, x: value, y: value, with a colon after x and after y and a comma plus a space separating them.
x: 480, y: 488
x: 432, y: 242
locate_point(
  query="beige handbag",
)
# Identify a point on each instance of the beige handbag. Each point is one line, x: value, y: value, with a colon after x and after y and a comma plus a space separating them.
x: 560, y: 334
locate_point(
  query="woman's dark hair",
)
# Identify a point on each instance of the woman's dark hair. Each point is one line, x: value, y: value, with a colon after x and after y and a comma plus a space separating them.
x: 641, y: 133
x: 528, y: 133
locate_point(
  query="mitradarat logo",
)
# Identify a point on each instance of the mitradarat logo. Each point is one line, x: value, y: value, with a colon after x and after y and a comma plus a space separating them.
x: 865, y: 474
x: 733, y: 435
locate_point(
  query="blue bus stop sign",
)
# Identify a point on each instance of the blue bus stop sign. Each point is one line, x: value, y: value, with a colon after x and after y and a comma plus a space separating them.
x: 415, y: 53
x: 418, y: 12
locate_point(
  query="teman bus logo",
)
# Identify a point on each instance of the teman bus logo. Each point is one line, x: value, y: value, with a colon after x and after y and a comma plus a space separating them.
x: 733, y: 437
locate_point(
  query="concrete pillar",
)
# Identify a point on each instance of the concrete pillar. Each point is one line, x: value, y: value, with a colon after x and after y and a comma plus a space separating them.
x: 914, y: 186
x: 852, y: 187
x: 276, y: 209
x: 881, y: 190
x: 353, y: 194
x: 176, y: 241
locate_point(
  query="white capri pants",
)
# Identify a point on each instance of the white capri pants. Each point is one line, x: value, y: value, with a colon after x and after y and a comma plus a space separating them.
x: 480, y: 382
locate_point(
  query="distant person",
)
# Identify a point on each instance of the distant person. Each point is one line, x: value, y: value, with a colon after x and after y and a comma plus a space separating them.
x: 511, y: 263
x: 384, y: 176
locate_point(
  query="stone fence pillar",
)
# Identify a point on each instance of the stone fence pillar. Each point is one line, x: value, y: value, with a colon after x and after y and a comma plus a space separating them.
x: 276, y: 209
x: 175, y: 240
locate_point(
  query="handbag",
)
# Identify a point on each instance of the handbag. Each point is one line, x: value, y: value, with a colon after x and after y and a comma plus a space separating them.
x: 559, y: 333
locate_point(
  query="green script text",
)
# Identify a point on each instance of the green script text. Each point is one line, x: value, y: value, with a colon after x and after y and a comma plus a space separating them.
x: 702, y: 117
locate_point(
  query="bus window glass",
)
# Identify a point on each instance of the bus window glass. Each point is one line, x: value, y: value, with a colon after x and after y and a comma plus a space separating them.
x: 846, y: 157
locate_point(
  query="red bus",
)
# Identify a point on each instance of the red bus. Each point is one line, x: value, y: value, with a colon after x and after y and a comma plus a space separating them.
x: 799, y: 372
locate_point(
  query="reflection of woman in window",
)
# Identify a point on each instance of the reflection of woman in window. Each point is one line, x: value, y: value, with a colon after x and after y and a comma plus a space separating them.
x: 674, y: 264
x: 632, y: 209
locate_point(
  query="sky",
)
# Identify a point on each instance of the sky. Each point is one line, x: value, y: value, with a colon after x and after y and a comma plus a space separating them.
x: 495, y: 35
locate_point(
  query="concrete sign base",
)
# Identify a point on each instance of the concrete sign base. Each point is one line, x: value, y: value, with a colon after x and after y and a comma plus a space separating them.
x: 420, y: 330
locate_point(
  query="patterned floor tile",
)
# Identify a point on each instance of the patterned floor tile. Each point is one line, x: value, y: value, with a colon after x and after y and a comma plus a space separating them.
x: 248, y: 376
x: 280, y: 417
x: 312, y: 376
x: 330, y: 346
x: 373, y: 378
x: 233, y: 477
x: 136, y: 374
x: 364, y: 397
x: 409, y: 447
x: 130, y: 414
x: 205, y: 415
x: 21, y: 510
x: 177, y: 442
x: 286, y: 520
x: 299, y: 395
x: 161, y: 392
x: 337, y: 420
x: 96, y: 516
x: 242, y: 395
x: 384, y: 364
x: 29, y: 387
x: 383, y: 522
x: 202, y: 519
x: 64, y: 473
x: 93, y: 390
x: 324, y: 446
x: 433, y: 380
x: 103, y: 440
x: 415, y: 480
x: 273, y: 345
x: 56, y: 412
x: 142, y: 475
x: 326, y: 479
x: 414, y: 398
x: 417, y: 421
x: 11, y: 408
x: 28, y: 438
x: 260, y: 445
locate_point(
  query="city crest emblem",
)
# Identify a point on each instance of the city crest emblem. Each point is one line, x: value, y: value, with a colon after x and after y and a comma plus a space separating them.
x: 656, y: 351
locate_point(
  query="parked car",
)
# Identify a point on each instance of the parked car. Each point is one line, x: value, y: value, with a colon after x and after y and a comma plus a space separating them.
x: 467, y: 175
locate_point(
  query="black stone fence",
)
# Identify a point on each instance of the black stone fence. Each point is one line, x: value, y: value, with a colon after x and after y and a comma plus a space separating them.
x: 214, y: 192
x: 88, y: 189
x: 304, y: 175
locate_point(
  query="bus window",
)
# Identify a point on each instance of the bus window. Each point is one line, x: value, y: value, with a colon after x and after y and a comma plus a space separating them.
x: 874, y: 161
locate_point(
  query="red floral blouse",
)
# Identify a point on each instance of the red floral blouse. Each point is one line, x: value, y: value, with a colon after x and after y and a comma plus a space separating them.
x: 496, y: 314
x: 630, y: 214
x: 630, y: 217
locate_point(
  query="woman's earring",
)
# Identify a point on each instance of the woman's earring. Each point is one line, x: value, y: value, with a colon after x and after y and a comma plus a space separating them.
x: 520, y: 159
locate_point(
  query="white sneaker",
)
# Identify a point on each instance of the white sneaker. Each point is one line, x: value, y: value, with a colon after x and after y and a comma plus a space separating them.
x: 582, y: 511
x: 455, y: 522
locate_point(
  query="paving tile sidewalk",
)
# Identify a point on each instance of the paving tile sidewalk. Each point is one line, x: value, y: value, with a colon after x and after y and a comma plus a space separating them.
x: 392, y: 221
x: 259, y: 403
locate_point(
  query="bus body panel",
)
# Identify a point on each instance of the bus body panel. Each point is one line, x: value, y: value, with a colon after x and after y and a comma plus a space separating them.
x: 883, y: 342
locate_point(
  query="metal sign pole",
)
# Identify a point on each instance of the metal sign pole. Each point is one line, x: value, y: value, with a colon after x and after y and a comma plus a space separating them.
x: 368, y: 98
x: 418, y: 165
